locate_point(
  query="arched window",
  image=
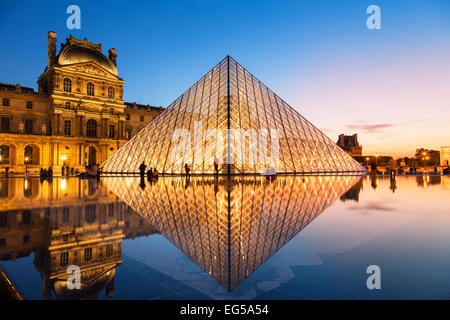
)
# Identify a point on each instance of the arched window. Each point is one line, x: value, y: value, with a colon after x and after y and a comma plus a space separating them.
x: 31, y: 155
x: 5, y: 154
x: 91, y: 128
x: 90, y: 89
x: 67, y: 83
x: 111, y: 92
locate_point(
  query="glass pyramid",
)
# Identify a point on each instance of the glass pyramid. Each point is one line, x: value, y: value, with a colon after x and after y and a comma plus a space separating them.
x: 230, y: 227
x: 231, y: 118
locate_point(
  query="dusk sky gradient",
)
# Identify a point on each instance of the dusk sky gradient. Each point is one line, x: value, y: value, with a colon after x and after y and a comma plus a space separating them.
x: 391, y: 86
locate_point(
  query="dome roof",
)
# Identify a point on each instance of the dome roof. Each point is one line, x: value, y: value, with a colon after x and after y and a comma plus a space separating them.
x: 75, y: 54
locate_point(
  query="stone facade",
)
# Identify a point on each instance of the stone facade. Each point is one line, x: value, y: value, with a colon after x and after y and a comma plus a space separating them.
x: 350, y: 144
x: 77, y: 117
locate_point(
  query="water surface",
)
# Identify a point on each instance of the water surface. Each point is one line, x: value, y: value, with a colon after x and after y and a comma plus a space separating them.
x: 306, y: 237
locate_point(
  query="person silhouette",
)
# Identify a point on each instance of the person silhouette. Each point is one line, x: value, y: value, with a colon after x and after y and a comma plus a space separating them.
x: 142, y: 168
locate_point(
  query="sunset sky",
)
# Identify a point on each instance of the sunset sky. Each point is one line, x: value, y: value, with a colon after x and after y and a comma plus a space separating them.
x: 391, y: 86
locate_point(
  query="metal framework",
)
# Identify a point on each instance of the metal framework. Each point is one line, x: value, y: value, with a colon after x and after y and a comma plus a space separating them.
x: 230, y: 97
x: 230, y: 227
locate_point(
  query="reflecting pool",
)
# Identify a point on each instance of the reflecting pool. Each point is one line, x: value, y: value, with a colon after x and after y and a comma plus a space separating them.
x: 304, y: 237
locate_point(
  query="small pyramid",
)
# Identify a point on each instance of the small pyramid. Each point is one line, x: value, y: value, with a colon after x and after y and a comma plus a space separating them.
x: 230, y: 118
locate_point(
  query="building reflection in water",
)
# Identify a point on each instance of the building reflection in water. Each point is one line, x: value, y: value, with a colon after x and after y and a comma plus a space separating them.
x: 353, y: 193
x: 67, y: 222
x: 230, y: 227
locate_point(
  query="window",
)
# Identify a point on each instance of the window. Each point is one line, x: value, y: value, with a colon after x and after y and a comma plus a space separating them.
x: 128, y: 133
x: 65, y: 237
x: 87, y: 254
x: 90, y: 89
x: 28, y: 154
x: 29, y: 105
x: 67, y: 84
x: 111, y: 110
x: 2, y: 242
x: 5, y: 124
x: 6, y: 102
x: 128, y: 116
x: 67, y: 105
x: 90, y: 213
x: 91, y: 128
x: 67, y: 127
x: 3, y: 219
x: 4, y: 154
x: 110, y: 92
x: 29, y: 126
x: 109, y: 250
x: 26, y: 238
x: 141, y: 118
x: 66, y: 214
x: 26, y: 217
x: 110, y: 210
x: 64, y: 259
x: 111, y: 131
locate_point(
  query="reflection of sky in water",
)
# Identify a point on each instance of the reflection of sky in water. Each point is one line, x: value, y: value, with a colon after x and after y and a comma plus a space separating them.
x: 405, y: 232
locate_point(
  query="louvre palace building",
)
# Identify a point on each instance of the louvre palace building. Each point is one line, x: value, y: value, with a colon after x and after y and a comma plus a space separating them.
x: 76, y: 118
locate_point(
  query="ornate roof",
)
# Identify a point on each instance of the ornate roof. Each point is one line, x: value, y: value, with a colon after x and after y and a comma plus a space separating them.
x: 77, y: 51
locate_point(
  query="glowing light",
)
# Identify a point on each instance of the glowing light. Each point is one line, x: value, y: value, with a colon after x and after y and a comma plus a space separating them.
x: 64, y: 157
x: 63, y: 184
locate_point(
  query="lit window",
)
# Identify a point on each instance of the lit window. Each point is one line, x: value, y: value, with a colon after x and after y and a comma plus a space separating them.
x: 67, y: 84
x: 90, y: 89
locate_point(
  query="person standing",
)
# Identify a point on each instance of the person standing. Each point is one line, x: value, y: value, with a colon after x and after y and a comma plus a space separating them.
x: 142, y: 168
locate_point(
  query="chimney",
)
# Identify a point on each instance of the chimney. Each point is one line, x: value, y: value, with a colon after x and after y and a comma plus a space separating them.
x: 51, y: 41
x: 113, y: 56
x: 355, y: 138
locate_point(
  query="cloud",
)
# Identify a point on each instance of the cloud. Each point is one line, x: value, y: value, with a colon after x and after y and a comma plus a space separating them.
x: 370, y: 128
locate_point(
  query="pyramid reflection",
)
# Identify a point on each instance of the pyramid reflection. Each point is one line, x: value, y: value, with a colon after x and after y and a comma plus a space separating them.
x: 230, y: 227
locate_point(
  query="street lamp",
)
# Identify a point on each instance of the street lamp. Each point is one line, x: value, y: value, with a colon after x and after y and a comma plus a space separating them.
x: 63, y: 158
x: 26, y: 165
x: 376, y: 158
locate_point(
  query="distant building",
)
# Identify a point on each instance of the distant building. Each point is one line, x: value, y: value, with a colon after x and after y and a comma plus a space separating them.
x: 350, y: 145
x: 445, y: 156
